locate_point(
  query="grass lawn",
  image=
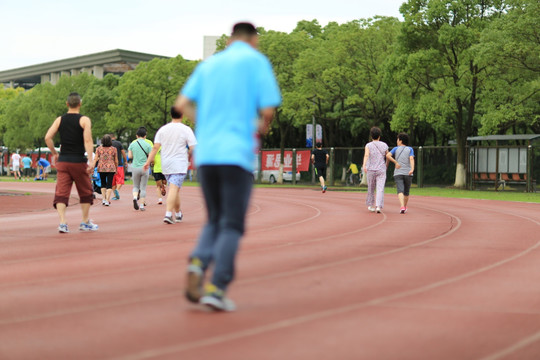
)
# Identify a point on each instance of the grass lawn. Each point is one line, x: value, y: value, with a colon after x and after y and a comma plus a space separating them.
x: 506, y: 195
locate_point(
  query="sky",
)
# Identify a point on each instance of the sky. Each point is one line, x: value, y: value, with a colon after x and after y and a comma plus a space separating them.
x: 37, y: 31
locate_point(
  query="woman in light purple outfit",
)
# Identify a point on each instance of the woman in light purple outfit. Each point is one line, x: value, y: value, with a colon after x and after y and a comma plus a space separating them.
x: 375, y: 165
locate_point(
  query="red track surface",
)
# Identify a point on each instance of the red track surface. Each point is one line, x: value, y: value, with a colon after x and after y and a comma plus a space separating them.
x: 319, y: 277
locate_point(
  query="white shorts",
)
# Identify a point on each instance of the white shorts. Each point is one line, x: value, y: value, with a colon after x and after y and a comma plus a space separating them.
x: 16, y: 167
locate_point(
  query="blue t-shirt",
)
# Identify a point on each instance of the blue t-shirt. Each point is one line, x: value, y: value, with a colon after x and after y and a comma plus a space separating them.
x: 229, y: 89
x: 402, y: 155
x: 27, y: 162
x: 44, y: 163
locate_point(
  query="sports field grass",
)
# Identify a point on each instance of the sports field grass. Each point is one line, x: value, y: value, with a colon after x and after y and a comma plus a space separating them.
x: 506, y: 195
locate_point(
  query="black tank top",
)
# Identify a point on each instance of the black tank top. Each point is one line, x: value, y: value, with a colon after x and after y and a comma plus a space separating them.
x: 71, y: 139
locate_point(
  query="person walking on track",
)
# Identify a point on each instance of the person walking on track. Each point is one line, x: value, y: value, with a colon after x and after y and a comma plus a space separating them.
x: 403, y: 157
x: 375, y: 165
x: 76, y: 138
x: 319, y: 158
x: 230, y: 90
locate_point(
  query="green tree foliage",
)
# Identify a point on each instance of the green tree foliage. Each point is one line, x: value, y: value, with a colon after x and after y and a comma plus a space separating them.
x: 512, y: 44
x: 144, y: 96
x: 438, y: 40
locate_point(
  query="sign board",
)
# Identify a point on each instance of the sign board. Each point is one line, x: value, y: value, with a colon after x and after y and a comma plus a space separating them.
x: 272, y: 158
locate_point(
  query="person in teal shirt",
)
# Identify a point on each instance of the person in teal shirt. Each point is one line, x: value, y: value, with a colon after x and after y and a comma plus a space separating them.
x: 138, y: 151
x: 231, y: 91
x: 27, y: 167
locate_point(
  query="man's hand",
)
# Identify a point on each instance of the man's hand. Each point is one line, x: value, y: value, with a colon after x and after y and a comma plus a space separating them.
x: 146, y: 166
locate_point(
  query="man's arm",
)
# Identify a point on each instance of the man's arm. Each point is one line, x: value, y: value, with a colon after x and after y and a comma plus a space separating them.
x: 50, y: 135
x: 267, y: 115
x: 124, y: 156
x: 390, y: 158
x: 151, y: 156
x: 186, y: 107
x: 411, y: 159
x: 86, y: 124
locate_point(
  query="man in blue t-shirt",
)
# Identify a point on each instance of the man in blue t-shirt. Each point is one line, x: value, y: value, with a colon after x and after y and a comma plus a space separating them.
x: 27, y: 167
x: 44, y: 168
x: 403, y: 157
x: 231, y: 90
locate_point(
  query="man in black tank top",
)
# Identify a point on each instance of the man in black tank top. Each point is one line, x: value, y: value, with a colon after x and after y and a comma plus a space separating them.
x: 72, y: 165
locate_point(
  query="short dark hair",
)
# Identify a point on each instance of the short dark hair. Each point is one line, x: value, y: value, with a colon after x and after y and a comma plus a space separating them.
x: 318, y: 144
x: 375, y: 133
x: 141, y: 132
x: 404, y: 138
x: 175, y: 114
x: 106, y: 141
x: 244, y: 29
x: 73, y: 100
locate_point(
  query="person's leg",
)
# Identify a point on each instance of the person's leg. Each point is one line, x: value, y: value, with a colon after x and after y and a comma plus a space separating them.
x: 236, y: 185
x: 84, y: 188
x: 370, y: 196
x: 173, y: 198
x: 158, y: 189
x: 407, y: 188
x: 62, y: 191
x: 136, y: 177
x: 400, y: 188
x: 211, y: 189
x: 103, y: 179
x: 144, y: 183
x: 380, y: 182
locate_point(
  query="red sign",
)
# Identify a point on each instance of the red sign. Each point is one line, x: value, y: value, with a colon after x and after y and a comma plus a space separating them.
x: 272, y: 158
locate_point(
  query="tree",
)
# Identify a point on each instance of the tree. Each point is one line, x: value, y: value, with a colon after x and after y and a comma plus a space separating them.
x: 145, y: 95
x: 439, y: 37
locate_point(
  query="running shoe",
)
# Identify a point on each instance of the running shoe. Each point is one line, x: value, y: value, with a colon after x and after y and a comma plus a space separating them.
x: 402, y: 210
x: 88, y: 226
x: 116, y: 195
x: 63, y: 228
x: 179, y: 218
x: 371, y: 208
x: 215, y: 299
x: 135, y: 204
x: 378, y: 210
x: 168, y: 220
x: 115, y: 198
x: 195, y: 277
x: 324, y: 189
x: 160, y: 201
x: 406, y: 208
x: 107, y: 203
x: 142, y: 208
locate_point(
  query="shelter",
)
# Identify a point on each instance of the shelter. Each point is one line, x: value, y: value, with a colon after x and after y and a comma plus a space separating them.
x: 504, y: 159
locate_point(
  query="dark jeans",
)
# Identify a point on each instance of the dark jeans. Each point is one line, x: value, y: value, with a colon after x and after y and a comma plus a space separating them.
x: 226, y: 191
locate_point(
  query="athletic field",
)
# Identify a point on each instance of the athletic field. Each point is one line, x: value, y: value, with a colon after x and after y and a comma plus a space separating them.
x: 318, y: 277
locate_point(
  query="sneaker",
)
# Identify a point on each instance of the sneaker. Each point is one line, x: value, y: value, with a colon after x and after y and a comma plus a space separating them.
x: 378, y: 210
x: 371, y: 208
x: 406, y: 208
x: 142, y: 208
x: 116, y: 195
x: 168, y: 220
x: 135, y: 204
x: 179, y: 218
x: 402, y: 210
x: 215, y: 299
x: 160, y: 201
x: 107, y: 203
x: 194, y: 281
x: 103, y: 202
x: 324, y: 189
x: 88, y: 226
x: 63, y: 228
x: 115, y: 198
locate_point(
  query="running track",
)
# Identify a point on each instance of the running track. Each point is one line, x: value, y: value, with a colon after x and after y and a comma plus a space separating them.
x: 319, y: 277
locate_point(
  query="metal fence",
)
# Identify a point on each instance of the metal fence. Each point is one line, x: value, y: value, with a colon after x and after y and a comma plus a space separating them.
x: 435, y: 165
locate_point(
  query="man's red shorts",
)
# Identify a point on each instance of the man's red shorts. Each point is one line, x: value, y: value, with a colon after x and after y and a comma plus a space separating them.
x: 119, y: 176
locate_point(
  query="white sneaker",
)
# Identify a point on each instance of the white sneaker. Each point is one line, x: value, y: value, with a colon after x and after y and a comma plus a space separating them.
x: 160, y: 201
x: 371, y: 208
x: 378, y: 210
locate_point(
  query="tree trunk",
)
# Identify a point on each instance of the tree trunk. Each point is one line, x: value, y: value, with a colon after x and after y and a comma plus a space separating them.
x: 461, y: 172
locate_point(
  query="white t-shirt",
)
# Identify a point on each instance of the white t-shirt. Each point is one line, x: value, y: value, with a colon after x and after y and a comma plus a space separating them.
x: 16, y: 160
x: 175, y: 139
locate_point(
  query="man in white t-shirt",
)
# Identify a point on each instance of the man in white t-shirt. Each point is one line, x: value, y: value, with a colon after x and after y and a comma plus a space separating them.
x: 16, y: 165
x: 176, y: 141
